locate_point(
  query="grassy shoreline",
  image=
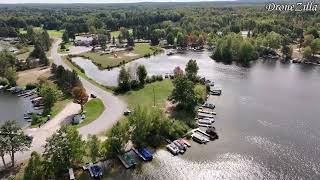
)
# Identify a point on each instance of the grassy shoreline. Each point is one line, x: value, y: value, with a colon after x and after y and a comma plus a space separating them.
x: 108, y: 61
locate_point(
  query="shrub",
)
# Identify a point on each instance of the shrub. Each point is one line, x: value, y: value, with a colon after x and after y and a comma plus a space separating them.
x: 35, y: 119
x: 159, y: 78
x: 30, y: 86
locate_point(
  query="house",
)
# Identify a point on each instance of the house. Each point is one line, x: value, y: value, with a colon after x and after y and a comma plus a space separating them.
x: 86, y: 43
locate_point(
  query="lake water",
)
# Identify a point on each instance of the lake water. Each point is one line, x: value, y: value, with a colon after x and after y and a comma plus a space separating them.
x: 268, y: 122
x: 13, y: 108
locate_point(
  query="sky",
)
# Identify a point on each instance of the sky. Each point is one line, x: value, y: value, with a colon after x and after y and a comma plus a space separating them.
x: 93, y: 1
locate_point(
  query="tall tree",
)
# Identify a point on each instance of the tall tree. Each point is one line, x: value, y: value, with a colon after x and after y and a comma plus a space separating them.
x: 183, y: 92
x: 34, y: 169
x: 16, y: 140
x: 124, y: 80
x: 50, y: 94
x: 102, y: 38
x: 117, y: 138
x: 63, y: 150
x: 192, y: 70
x: 142, y: 74
x: 80, y: 96
x: 93, y: 144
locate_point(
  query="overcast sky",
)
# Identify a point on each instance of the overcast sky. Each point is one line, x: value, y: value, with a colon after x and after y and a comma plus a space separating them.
x: 92, y: 1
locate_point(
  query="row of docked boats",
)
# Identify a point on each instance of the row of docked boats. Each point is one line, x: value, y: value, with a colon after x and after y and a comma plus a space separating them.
x: 32, y: 94
x: 178, y: 146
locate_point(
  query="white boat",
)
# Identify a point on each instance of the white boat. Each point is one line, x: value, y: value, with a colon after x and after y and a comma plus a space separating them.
x: 207, y: 121
x: 199, y: 138
x: 173, y: 148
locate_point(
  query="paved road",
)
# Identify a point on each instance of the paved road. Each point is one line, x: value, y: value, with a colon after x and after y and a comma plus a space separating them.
x: 114, y: 108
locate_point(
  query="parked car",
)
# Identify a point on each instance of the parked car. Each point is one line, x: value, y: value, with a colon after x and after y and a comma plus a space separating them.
x: 93, y: 96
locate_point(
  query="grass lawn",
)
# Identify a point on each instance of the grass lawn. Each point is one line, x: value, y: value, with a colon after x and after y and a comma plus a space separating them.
x: 104, y: 61
x: 117, y: 33
x: 94, y: 108
x: 32, y: 75
x: 67, y: 45
x: 145, y: 96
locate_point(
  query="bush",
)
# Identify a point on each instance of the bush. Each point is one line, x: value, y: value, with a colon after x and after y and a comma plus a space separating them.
x: 135, y: 84
x: 148, y: 80
x: 31, y: 86
x: 35, y: 119
x: 3, y: 81
x: 159, y: 78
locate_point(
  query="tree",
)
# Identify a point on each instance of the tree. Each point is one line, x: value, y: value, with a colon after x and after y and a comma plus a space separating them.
x: 308, y: 40
x: 117, y: 138
x: 93, y: 144
x: 15, y: 138
x: 4, y: 148
x: 80, y: 96
x: 273, y: 40
x: 142, y: 74
x: 246, y: 52
x: 102, y: 39
x: 315, y: 46
x: 170, y: 38
x: 130, y: 40
x: 183, y: 92
x: 63, y: 150
x: 307, y: 52
x: 50, y: 94
x: 177, y: 71
x: 35, y: 168
x: 65, y: 37
x: 124, y: 80
x: 192, y: 70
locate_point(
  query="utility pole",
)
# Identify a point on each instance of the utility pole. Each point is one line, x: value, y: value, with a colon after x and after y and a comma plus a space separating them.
x: 154, y: 98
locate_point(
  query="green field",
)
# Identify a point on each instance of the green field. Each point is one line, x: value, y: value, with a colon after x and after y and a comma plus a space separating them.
x: 94, y: 108
x: 104, y: 61
x: 52, y: 33
x: 145, y: 96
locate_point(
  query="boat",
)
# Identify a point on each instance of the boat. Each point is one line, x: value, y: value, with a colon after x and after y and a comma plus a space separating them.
x: 199, y: 138
x: 204, y: 115
x: 127, y: 160
x: 181, y: 148
x: 182, y: 144
x: 143, y: 153
x: 185, y: 142
x: 205, y: 134
x: 173, y: 149
x: 207, y: 121
x: 209, y: 105
x: 215, y: 90
x: 201, y: 110
x: 170, y: 53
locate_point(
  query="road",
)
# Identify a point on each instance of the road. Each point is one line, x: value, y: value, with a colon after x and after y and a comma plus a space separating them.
x: 114, y: 108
